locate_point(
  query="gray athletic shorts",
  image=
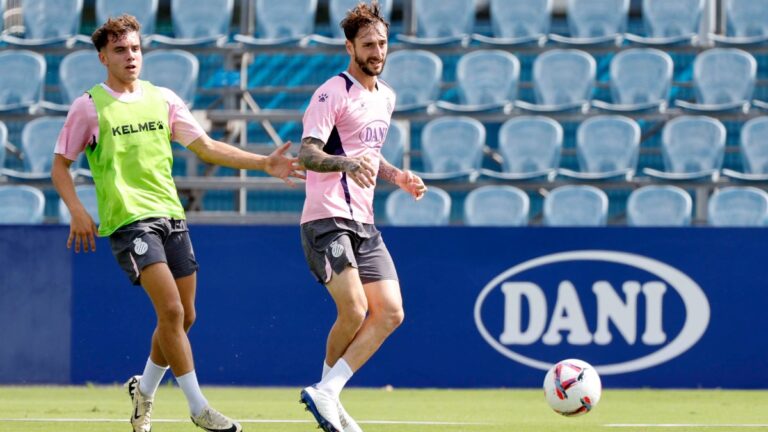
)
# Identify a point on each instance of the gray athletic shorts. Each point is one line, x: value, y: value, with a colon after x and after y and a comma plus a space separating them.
x: 330, y: 245
x: 154, y: 240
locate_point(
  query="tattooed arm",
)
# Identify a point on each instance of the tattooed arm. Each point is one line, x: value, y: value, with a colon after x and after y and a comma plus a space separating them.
x: 406, y: 180
x: 313, y: 158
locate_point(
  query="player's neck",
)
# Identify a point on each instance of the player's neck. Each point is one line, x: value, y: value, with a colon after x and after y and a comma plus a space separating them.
x: 368, y: 82
x: 120, y: 86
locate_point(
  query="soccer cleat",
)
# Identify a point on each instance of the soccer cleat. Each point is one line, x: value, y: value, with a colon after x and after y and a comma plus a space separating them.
x: 325, y: 408
x: 214, y: 421
x: 142, y: 406
x: 348, y: 424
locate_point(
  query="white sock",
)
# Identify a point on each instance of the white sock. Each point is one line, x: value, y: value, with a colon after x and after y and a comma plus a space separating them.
x: 191, y: 389
x: 336, y: 378
x: 151, y: 378
x: 326, y: 369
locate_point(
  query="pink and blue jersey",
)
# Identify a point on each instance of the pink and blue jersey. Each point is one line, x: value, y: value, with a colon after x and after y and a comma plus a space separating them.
x: 353, y: 122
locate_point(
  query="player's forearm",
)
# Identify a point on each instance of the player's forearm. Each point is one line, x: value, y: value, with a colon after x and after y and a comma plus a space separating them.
x: 313, y: 158
x: 219, y: 153
x: 388, y: 172
x: 63, y: 183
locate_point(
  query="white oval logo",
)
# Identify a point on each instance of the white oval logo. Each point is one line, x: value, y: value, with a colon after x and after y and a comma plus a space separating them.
x: 696, y: 305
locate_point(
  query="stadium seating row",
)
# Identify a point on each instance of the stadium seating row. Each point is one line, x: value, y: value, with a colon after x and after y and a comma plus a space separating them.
x: 572, y: 205
x: 564, y: 81
x: 439, y: 22
x: 580, y: 205
x: 607, y: 148
x: 452, y: 147
x: 487, y: 80
x: 22, y: 84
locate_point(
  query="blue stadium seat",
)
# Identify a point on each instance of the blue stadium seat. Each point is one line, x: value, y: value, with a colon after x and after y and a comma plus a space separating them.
x: 393, y: 149
x: 22, y: 205
x: 38, y: 139
x: 576, y: 205
x: 198, y: 23
x: 2, y: 13
x: 487, y: 80
x: 753, y: 148
x: 607, y: 147
x: 175, y: 69
x: 337, y: 10
x: 669, y: 22
x: 3, y: 142
x: 415, y: 75
x: 693, y: 148
x: 641, y: 79
x: 22, y: 80
x: 563, y: 80
x: 747, y: 22
x: 434, y: 209
x: 78, y: 72
x: 518, y: 22
x: 530, y: 147
x: 145, y: 12
x: 87, y: 195
x: 659, y: 205
x: 281, y: 22
x: 724, y: 79
x: 496, y: 206
x: 595, y: 22
x: 452, y: 148
x: 738, y: 207
x: 48, y: 22
x: 441, y: 22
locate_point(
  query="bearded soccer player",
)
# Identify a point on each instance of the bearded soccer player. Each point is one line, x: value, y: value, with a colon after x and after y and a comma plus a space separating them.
x: 344, y: 128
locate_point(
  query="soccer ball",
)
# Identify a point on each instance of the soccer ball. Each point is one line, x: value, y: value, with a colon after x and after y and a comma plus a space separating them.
x: 572, y: 387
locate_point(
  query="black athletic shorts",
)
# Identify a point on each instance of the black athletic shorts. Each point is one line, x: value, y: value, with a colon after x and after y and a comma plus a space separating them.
x: 154, y: 240
x: 330, y: 245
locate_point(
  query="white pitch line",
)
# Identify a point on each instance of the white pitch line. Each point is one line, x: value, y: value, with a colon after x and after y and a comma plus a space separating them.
x: 102, y: 420
x: 685, y: 425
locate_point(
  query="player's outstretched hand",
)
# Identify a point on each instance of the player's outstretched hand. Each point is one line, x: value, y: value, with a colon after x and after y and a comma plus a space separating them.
x: 412, y: 184
x: 283, y: 167
x: 82, y: 231
x: 360, y: 170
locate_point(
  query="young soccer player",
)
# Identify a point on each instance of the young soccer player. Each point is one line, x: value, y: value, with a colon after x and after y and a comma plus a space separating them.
x: 125, y: 127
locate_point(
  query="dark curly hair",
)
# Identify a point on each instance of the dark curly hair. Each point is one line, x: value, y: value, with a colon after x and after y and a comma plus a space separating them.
x: 362, y: 16
x: 114, y: 29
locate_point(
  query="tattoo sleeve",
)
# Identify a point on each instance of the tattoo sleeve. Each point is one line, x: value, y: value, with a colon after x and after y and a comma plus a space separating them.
x: 312, y: 156
x: 387, y: 171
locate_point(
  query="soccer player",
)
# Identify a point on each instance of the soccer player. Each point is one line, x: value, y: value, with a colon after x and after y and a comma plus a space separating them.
x: 125, y: 127
x: 344, y: 128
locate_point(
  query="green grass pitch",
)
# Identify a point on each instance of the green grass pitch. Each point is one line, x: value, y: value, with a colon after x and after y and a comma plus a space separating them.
x: 106, y: 408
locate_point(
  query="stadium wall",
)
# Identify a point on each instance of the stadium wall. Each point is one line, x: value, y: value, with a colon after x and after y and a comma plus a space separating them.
x: 680, y: 308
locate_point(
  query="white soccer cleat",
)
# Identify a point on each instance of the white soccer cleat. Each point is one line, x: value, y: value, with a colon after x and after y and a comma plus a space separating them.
x: 348, y: 424
x: 214, y: 421
x: 324, y: 407
x: 142, y: 406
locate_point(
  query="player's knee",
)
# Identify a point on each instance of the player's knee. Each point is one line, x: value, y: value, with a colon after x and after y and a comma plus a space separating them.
x: 189, y: 319
x: 171, y: 314
x: 393, y: 318
x: 352, y: 317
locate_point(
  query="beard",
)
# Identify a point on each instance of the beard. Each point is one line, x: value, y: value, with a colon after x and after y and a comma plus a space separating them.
x: 363, y: 64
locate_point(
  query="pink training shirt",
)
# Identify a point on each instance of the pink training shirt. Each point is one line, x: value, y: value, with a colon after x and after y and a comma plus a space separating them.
x: 82, y: 124
x: 351, y: 121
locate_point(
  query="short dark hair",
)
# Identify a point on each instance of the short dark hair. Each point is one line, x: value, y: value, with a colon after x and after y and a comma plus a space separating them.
x: 361, y: 16
x: 114, y: 29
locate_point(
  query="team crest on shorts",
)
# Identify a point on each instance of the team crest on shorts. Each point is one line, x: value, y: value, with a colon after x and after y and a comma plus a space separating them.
x: 140, y: 247
x: 336, y: 249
